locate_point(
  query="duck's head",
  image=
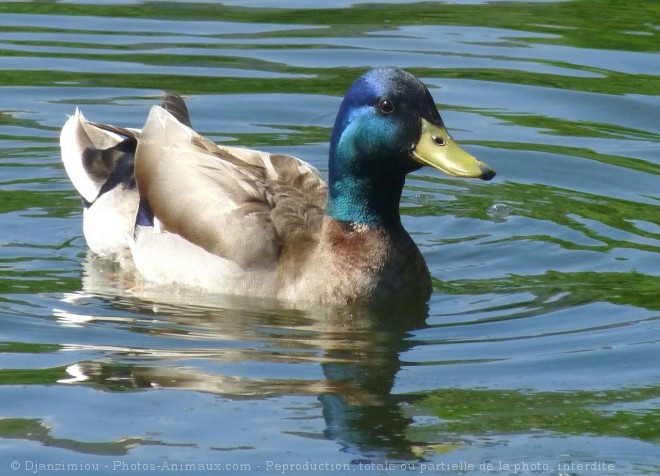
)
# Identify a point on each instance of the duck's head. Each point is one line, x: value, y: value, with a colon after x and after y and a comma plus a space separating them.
x: 388, y: 125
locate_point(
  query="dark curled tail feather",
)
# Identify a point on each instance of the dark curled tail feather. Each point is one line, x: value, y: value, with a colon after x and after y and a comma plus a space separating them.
x: 174, y: 104
x: 113, y: 166
x: 100, y: 163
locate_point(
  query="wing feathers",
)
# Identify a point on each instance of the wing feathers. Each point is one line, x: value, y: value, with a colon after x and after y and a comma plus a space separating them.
x: 236, y: 203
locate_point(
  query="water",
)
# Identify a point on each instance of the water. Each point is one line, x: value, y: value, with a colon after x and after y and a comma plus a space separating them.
x: 538, y: 352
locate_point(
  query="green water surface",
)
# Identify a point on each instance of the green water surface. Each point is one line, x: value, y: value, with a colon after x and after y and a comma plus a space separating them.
x: 538, y: 351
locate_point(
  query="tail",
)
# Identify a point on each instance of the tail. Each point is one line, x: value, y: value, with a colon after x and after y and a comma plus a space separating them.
x: 100, y: 162
x: 97, y: 157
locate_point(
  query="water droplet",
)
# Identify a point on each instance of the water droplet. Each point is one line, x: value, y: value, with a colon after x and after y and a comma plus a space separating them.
x: 499, y: 211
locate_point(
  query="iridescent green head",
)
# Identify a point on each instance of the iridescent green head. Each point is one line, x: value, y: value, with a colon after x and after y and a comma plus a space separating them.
x: 388, y: 126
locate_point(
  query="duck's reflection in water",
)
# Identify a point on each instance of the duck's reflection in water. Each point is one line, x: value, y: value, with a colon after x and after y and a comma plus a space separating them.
x: 357, y: 349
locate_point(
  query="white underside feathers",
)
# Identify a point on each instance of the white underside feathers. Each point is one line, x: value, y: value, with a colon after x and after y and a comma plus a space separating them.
x: 168, y: 259
x: 109, y: 222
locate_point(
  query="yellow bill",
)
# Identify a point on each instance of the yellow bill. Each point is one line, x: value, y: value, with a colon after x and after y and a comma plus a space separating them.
x: 437, y: 149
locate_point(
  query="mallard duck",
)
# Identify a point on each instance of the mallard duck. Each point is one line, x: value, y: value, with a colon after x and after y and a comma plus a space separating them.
x: 185, y: 211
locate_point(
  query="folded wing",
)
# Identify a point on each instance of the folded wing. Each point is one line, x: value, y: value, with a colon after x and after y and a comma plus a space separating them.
x: 239, y: 204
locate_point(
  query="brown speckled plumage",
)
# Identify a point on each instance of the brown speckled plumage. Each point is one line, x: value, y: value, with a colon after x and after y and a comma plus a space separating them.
x: 355, y: 263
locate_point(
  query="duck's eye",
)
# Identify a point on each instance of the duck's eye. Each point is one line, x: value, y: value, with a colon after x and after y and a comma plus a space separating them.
x: 385, y: 106
x: 437, y: 140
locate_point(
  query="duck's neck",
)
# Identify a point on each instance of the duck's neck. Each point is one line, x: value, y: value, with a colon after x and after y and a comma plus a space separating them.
x: 370, y: 201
